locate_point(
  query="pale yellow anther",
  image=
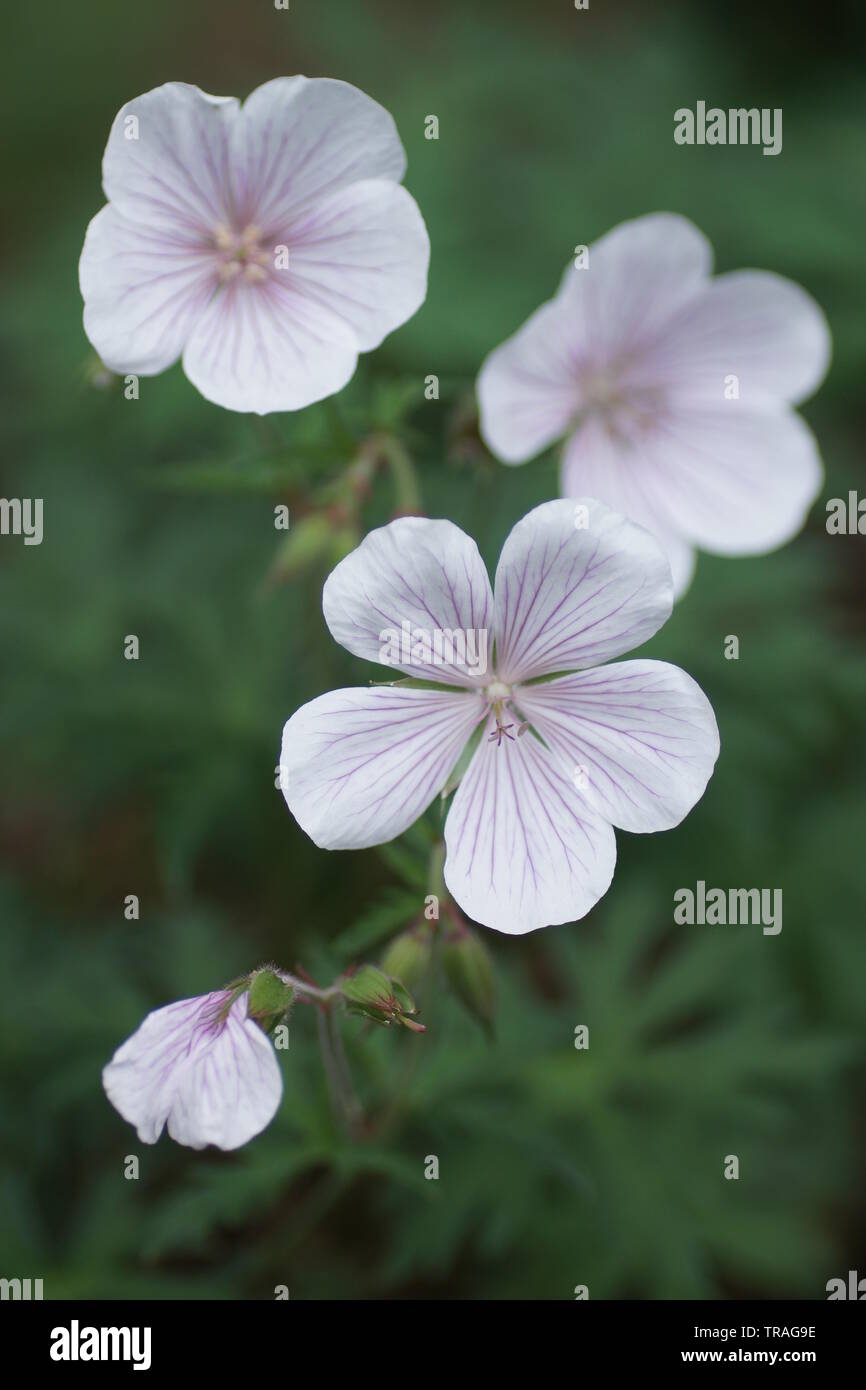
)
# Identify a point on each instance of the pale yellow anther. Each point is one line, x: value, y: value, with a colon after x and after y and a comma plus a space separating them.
x: 254, y: 273
x: 229, y: 270
x: 224, y: 237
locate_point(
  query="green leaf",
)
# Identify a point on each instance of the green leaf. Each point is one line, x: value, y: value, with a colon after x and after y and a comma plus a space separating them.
x: 394, y: 909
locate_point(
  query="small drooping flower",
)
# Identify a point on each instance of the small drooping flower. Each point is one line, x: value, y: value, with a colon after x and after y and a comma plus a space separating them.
x: 268, y: 244
x: 203, y: 1067
x: 672, y: 391
x: 547, y: 762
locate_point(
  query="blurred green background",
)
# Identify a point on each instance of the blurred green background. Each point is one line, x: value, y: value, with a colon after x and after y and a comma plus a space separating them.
x: 156, y: 777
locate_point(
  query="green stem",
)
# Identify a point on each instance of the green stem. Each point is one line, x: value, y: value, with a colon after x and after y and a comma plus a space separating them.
x: 340, y: 432
x: 406, y: 486
x: 351, y: 1103
x: 345, y: 1106
x: 435, y: 871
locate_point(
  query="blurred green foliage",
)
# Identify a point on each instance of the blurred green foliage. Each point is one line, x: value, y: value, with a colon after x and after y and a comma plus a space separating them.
x: 558, y: 1167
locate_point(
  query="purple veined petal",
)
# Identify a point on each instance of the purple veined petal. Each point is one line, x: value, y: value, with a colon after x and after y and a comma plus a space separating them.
x: 528, y: 387
x: 266, y: 347
x: 415, y: 577
x: 170, y: 171
x: 601, y: 461
x: 640, y: 736
x: 601, y: 321
x: 301, y: 139
x: 361, y: 253
x: 143, y: 291
x: 359, y: 766
x: 640, y: 275
x: 736, y: 481
x: 523, y: 848
x: 212, y: 1077
x: 754, y: 325
x: 576, y: 584
x: 232, y: 1089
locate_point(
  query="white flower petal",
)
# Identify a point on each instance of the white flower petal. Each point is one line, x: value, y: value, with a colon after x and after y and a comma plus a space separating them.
x: 523, y: 848
x: 571, y: 595
x: 427, y: 574
x: 358, y: 767
x: 598, y: 461
x: 759, y: 327
x: 265, y: 347
x: 640, y: 735
x: 300, y: 139
x: 528, y: 390
x: 143, y: 291
x: 640, y: 275
x: 362, y: 253
x: 212, y: 1080
x: 232, y: 1090
x: 167, y: 161
x: 603, y: 316
x: 735, y: 481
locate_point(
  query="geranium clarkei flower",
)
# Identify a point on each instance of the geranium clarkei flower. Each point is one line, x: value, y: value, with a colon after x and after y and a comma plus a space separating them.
x: 268, y: 244
x: 672, y: 391
x: 560, y: 758
x: 203, y: 1067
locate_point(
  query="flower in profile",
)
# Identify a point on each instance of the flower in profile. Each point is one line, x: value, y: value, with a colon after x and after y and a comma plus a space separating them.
x: 551, y: 748
x: 671, y: 389
x: 203, y: 1067
x: 268, y: 244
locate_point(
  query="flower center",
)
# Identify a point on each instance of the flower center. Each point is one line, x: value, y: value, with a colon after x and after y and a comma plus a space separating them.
x: 241, y: 253
x: 624, y: 407
x: 498, y: 697
x: 498, y: 690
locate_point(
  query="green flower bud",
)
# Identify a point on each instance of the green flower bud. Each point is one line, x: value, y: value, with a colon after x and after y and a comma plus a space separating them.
x: 470, y: 973
x: 377, y: 996
x: 344, y: 539
x: 307, y: 546
x: 409, y: 955
x: 269, y: 999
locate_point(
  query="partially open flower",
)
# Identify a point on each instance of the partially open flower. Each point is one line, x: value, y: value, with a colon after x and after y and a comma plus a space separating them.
x: 202, y: 1067
x: 268, y: 244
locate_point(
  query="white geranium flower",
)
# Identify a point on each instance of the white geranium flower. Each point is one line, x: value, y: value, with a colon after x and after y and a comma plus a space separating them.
x: 561, y: 759
x: 268, y: 244
x: 672, y: 390
x: 203, y: 1067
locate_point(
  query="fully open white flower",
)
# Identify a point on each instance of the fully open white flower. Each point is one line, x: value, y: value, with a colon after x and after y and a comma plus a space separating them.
x: 267, y: 243
x: 203, y: 1067
x: 673, y: 391
x: 561, y: 757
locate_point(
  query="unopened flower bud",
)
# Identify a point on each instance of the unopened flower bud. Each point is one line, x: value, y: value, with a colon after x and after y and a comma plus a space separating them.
x: 409, y: 955
x: 270, y: 997
x: 343, y: 540
x: 380, y: 998
x: 470, y: 973
x: 308, y: 545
